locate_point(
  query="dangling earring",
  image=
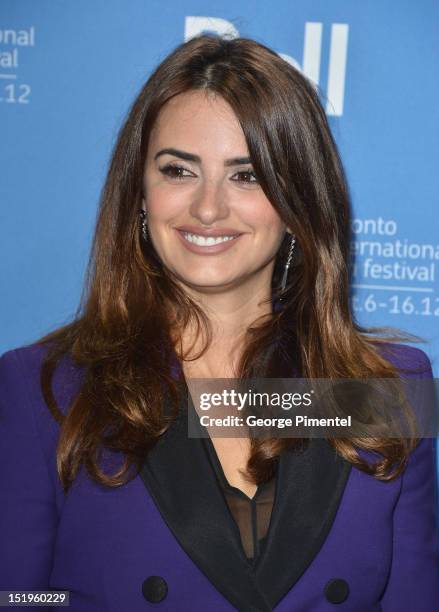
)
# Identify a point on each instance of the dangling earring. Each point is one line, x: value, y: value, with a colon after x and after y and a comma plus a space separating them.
x: 287, y: 265
x: 144, y: 225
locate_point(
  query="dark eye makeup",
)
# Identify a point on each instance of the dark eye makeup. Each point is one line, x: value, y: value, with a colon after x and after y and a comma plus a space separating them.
x: 174, y: 172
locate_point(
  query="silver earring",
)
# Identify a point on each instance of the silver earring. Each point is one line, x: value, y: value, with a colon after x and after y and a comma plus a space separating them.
x: 144, y: 225
x: 287, y: 264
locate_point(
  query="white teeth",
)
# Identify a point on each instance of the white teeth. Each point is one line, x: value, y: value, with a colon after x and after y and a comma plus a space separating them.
x: 206, y: 240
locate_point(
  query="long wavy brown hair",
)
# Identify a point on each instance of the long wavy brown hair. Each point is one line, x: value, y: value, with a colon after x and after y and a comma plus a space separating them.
x: 122, y: 336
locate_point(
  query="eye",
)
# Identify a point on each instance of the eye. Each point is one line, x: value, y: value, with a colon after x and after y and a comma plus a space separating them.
x: 247, y: 173
x: 173, y: 171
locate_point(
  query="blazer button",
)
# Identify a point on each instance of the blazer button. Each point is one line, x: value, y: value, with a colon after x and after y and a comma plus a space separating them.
x: 154, y: 589
x: 336, y: 590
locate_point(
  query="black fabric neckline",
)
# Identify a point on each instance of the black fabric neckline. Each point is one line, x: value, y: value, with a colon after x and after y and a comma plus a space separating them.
x: 252, y: 547
x: 219, y: 471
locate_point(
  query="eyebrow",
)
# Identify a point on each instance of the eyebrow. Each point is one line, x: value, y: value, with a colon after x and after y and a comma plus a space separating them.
x: 234, y: 161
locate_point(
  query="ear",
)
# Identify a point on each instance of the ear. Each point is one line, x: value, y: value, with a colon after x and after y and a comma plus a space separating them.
x: 289, y: 231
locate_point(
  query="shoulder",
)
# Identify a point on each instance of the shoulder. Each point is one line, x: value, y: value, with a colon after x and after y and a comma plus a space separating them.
x: 19, y: 382
x: 410, y: 360
x: 23, y: 408
x: 419, y: 477
x: 20, y: 370
x: 14, y: 361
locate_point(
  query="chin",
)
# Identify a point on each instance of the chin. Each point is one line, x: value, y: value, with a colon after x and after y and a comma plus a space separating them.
x: 206, y: 283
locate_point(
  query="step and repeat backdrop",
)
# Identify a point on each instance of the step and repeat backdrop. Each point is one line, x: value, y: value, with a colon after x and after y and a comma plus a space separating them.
x: 69, y: 70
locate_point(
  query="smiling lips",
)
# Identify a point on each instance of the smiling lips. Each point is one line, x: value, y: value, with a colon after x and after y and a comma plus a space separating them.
x: 207, y: 242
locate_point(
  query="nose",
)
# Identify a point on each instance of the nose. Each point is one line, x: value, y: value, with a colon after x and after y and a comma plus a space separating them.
x: 210, y: 203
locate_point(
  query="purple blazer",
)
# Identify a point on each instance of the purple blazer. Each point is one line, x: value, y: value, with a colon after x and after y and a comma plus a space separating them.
x: 338, y: 538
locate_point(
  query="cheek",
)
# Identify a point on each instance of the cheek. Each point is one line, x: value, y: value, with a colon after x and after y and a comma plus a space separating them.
x: 273, y: 231
x: 163, y: 204
x: 269, y: 222
x: 259, y: 211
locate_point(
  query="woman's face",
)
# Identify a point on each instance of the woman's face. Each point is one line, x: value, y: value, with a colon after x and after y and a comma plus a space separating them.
x: 208, y: 218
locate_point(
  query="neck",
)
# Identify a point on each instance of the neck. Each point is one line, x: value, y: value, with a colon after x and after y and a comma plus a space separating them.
x: 230, y: 314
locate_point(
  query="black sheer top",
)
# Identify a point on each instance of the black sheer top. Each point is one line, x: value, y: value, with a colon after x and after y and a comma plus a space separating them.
x: 251, y: 515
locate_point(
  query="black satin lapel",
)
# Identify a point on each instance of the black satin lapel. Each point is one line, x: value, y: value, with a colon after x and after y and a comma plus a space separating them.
x: 179, y: 478
x: 309, y: 489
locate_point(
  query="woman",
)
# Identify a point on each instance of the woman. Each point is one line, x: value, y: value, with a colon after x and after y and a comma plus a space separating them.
x: 221, y: 251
